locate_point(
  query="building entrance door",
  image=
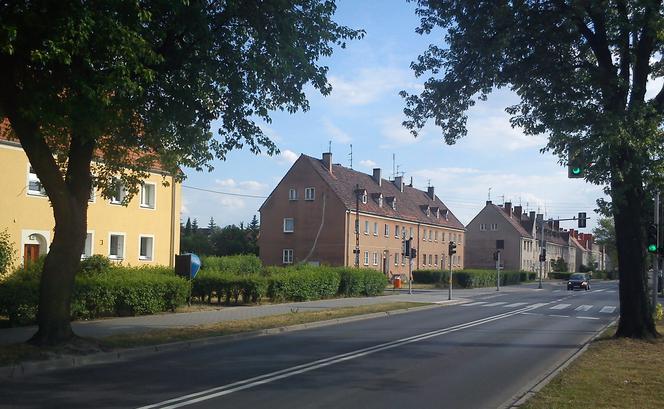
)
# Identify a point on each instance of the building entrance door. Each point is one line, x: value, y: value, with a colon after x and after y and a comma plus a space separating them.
x: 30, y: 254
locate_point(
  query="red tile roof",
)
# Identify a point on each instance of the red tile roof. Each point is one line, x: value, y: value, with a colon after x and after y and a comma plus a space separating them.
x: 343, y: 182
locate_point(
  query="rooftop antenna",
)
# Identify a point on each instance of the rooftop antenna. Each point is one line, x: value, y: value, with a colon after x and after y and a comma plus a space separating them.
x: 502, y: 198
x: 394, y: 169
x: 489, y: 198
x: 351, y: 156
x: 329, y: 147
x: 428, y: 181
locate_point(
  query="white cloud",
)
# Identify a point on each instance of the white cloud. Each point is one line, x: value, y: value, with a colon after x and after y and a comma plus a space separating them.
x: 369, y: 84
x: 287, y: 157
x: 395, y: 133
x: 495, y: 133
x: 335, y: 133
x: 653, y: 86
x: 368, y: 163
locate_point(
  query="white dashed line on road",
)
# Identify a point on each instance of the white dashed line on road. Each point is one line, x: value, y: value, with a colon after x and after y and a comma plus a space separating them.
x: 560, y: 306
x: 474, y: 303
x: 583, y: 308
x: 608, y: 309
x: 494, y: 304
x: 516, y: 304
x: 587, y: 318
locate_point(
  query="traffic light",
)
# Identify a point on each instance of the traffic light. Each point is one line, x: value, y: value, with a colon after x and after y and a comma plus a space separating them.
x: 575, y: 165
x: 452, y: 248
x: 406, y: 248
x: 495, y: 255
x: 413, y: 252
x: 543, y: 255
x: 582, y: 220
x: 652, y: 239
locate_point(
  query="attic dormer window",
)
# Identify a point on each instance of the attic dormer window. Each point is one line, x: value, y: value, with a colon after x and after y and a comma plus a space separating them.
x: 364, y: 197
x: 380, y: 200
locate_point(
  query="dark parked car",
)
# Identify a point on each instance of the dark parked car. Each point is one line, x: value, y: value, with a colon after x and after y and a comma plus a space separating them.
x: 579, y: 280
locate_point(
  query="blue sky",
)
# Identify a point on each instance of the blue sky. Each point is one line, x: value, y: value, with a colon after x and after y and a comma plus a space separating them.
x: 366, y: 111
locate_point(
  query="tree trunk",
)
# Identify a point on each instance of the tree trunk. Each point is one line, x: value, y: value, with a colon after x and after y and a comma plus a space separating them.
x: 57, y: 282
x: 636, y: 319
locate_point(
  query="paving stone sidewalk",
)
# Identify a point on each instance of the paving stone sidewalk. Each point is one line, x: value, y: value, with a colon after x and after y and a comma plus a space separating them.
x: 105, y: 327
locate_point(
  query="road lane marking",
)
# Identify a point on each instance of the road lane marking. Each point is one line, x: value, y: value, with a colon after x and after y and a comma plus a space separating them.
x: 556, y: 315
x: 560, y: 306
x: 494, y: 304
x: 583, y: 308
x: 610, y: 291
x: 608, y: 309
x: 587, y: 318
x: 321, y: 363
x: 556, y: 291
x: 516, y: 304
x: 474, y: 303
x: 599, y: 291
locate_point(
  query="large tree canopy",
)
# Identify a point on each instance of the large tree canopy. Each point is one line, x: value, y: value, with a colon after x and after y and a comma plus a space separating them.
x: 581, y: 70
x: 135, y: 83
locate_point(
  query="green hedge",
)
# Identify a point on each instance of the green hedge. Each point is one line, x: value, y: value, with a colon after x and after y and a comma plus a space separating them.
x: 303, y: 283
x: 241, y: 264
x: 554, y: 275
x: 221, y: 285
x: 361, y: 282
x: 117, y: 291
x: 471, y: 278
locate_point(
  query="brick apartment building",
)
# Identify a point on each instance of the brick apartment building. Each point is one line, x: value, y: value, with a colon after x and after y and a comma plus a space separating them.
x: 311, y: 217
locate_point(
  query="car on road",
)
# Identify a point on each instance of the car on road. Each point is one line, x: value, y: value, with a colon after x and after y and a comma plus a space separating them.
x: 578, y: 280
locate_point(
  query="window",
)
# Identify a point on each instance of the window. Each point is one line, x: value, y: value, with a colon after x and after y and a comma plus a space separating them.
x: 289, y: 225
x: 482, y: 226
x: 375, y: 258
x: 430, y: 236
x: 424, y: 259
x: 380, y: 201
x: 366, y: 227
x: 387, y: 230
x: 435, y: 260
x: 364, y: 197
x: 366, y: 258
x: 430, y: 259
x: 146, y: 247
x: 119, y: 192
x: 403, y: 259
x: 375, y: 229
x: 411, y: 232
x: 494, y: 226
x: 287, y: 256
x: 309, y: 193
x: 435, y: 236
x: 292, y: 194
x: 424, y: 234
x: 87, y: 249
x: 116, y: 246
x: 148, y: 195
x: 34, y: 185
x: 396, y: 231
x: 357, y: 226
x: 396, y: 259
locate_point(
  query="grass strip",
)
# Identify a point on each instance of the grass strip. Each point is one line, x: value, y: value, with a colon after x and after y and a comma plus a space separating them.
x: 612, y: 373
x: 15, y: 353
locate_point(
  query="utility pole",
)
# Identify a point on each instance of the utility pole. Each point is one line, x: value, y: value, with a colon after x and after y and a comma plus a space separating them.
x: 410, y: 268
x: 357, y: 226
x: 497, y: 270
x: 542, y: 254
x: 449, y: 284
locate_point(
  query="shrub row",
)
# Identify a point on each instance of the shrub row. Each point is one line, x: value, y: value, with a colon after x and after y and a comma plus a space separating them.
x: 299, y: 283
x: 471, y: 278
x: 118, y: 291
x: 240, y: 264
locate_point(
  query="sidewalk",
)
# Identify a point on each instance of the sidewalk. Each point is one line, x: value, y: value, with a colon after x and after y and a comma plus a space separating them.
x: 105, y: 327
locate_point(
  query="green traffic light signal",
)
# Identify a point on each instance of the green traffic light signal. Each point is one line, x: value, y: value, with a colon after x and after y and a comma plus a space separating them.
x: 651, y: 237
x: 576, y: 170
x: 652, y: 248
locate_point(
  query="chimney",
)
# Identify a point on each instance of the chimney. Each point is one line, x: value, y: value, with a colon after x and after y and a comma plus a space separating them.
x: 430, y: 193
x: 398, y: 182
x: 488, y: 202
x: 571, y: 233
x: 508, y: 209
x: 531, y: 216
x: 518, y: 210
x: 556, y: 225
x: 376, y: 176
x: 327, y: 161
x: 540, y: 217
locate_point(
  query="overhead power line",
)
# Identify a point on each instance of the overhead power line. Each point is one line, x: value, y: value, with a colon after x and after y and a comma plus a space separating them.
x: 224, y: 193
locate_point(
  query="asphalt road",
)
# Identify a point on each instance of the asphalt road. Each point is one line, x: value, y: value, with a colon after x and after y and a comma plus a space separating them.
x: 477, y: 355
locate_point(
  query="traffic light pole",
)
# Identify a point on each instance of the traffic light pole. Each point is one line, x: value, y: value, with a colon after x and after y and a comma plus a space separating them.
x: 655, y: 264
x: 542, y: 251
x: 498, y: 272
x: 449, y: 287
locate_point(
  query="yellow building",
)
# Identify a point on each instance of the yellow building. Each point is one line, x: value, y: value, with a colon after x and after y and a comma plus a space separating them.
x: 146, y: 232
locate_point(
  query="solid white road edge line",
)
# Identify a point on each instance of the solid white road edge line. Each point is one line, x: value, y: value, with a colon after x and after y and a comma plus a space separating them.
x: 299, y: 369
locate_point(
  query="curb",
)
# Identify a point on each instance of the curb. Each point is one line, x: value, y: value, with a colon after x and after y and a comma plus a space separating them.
x: 24, y: 369
x: 521, y: 397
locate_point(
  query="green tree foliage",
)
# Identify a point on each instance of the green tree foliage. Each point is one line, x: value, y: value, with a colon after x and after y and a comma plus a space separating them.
x: 104, y: 80
x: 7, y: 251
x: 581, y: 71
x: 229, y: 241
x: 252, y: 235
x: 559, y: 265
x: 605, y: 235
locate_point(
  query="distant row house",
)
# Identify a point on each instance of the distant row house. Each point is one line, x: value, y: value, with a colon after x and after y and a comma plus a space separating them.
x: 519, y: 238
x: 324, y: 213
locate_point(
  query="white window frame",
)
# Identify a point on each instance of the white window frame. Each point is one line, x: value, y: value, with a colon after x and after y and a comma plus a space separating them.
x: 366, y: 258
x: 140, y: 239
x: 142, y: 203
x: 375, y: 258
x: 366, y: 227
x: 375, y: 229
x: 424, y: 234
x: 364, y: 198
x: 292, y: 222
x: 430, y: 235
x: 121, y: 190
x: 387, y: 230
x: 396, y: 231
x: 435, y: 260
x: 396, y: 259
x: 380, y: 201
x: 482, y: 226
x: 32, y: 177
x: 292, y: 194
x: 124, y: 245
x: 435, y: 236
x: 287, y: 256
x: 309, y: 193
x: 85, y: 254
x: 394, y: 204
x: 494, y: 226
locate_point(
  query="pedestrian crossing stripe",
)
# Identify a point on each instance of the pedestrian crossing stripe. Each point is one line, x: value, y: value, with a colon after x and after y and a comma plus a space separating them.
x: 599, y: 291
x: 583, y: 308
x: 495, y: 304
x: 516, y: 304
x: 608, y: 309
x: 560, y: 306
x: 474, y: 303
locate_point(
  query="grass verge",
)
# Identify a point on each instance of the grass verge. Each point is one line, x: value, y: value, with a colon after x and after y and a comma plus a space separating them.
x: 15, y: 353
x: 612, y: 373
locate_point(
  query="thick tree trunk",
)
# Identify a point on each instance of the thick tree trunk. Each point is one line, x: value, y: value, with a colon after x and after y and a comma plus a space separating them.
x: 57, y: 282
x: 636, y: 319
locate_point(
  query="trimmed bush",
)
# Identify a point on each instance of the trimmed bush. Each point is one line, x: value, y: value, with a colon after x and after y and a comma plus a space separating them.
x: 361, y: 282
x: 471, y: 278
x: 303, y: 283
x: 559, y: 275
x: 95, y: 264
x: 240, y: 264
